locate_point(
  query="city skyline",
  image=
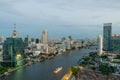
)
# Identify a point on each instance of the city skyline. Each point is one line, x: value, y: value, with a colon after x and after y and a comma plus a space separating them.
x: 59, y: 40
x: 81, y: 17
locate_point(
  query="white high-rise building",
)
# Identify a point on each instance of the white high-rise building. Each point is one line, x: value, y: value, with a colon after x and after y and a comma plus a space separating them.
x: 100, y: 45
x: 44, y: 39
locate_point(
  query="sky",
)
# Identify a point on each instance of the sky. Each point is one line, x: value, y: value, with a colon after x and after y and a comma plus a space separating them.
x: 78, y: 18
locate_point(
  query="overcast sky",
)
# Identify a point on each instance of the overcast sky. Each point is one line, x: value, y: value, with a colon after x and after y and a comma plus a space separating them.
x: 79, y: 18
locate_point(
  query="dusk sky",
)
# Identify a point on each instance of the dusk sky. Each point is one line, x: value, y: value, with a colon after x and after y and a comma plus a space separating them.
x: 79, y: 18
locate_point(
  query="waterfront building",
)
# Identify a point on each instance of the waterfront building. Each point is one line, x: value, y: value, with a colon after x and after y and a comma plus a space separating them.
x: 107, y: 33
x: 100, y: 45
x: 51, y: 49
x: 67, y: 43
x: 115, y: 42
x: 44, y: 38
x: 13, y: 51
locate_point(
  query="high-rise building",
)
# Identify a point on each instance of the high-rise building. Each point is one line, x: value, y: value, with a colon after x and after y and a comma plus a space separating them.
x: 115, y: 42
x: 13, y: 51
x: 100, y: 45
x: 44, y: 38
x: 27, y: 41
x: 107, y: 33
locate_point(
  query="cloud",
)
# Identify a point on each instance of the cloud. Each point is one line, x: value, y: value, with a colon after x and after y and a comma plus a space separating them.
x: 62, y: 11
x: 57, y: 13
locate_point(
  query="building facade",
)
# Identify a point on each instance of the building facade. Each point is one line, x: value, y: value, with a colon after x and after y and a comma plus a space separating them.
x: 107, y: 33
x: 115, y: 42
x: 100, y: 45
x: 44, y: 38
x: 13, y: 51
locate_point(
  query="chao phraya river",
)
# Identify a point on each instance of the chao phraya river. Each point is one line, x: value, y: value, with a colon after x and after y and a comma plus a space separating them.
x: 44, y: 70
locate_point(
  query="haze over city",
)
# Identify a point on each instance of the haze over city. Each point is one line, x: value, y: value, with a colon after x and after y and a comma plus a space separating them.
x: 78, y: 18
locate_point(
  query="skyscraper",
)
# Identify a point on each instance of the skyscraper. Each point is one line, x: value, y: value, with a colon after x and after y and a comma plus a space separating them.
x: 13, y: 51
x: 107, y: 33
x: 100, y: 45
x: 44, y: 38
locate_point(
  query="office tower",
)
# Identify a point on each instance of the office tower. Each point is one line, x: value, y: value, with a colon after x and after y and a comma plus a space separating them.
x: 13, y: 51
x: 115, y: 42
x: 107, y: 33
x: 44, y: 39
x: 100, y: 45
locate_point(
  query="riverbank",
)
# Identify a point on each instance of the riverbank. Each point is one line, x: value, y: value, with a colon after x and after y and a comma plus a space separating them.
x: 44, y: 70
x: 72, y: 70
x: 67, y: 75
x: 10, y: 70
x: 91, y: 70
x: 32, y: 61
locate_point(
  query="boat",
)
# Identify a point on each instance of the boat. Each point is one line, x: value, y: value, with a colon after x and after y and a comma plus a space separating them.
x: 57, y: 70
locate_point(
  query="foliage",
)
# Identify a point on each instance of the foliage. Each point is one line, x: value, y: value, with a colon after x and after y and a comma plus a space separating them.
x: 93, y: 56
x: 85, y: 60
x: 105, y: 69
x: 30, y: 53
x: 2, y: 69
x: 42, y: 57
x: 51, y: 54
x: 104, y: 56
x: 75, y: 71
x: 93, y: 68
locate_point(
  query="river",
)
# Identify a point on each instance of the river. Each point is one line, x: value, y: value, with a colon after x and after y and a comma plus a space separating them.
x: 44, y: 70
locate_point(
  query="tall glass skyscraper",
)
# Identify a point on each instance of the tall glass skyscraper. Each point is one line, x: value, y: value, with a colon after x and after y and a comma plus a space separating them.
x: 107, y: 34
x: 13, y: 51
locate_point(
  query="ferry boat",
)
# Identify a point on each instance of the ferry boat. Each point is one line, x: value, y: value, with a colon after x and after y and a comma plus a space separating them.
x: 57, y: 70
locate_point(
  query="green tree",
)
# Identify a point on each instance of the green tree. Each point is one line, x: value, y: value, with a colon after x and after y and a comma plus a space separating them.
x: 3, y: 69
x: 75, y: 71
x: 106, y: 70
x: 104, y: 56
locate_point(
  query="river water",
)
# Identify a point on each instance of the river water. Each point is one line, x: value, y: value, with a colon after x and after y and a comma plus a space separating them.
x: 44, y: 70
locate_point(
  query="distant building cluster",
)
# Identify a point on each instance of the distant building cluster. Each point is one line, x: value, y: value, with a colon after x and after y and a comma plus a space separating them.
x: 110, y: 42
x: 15, y: 51
x: 109, y: 46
